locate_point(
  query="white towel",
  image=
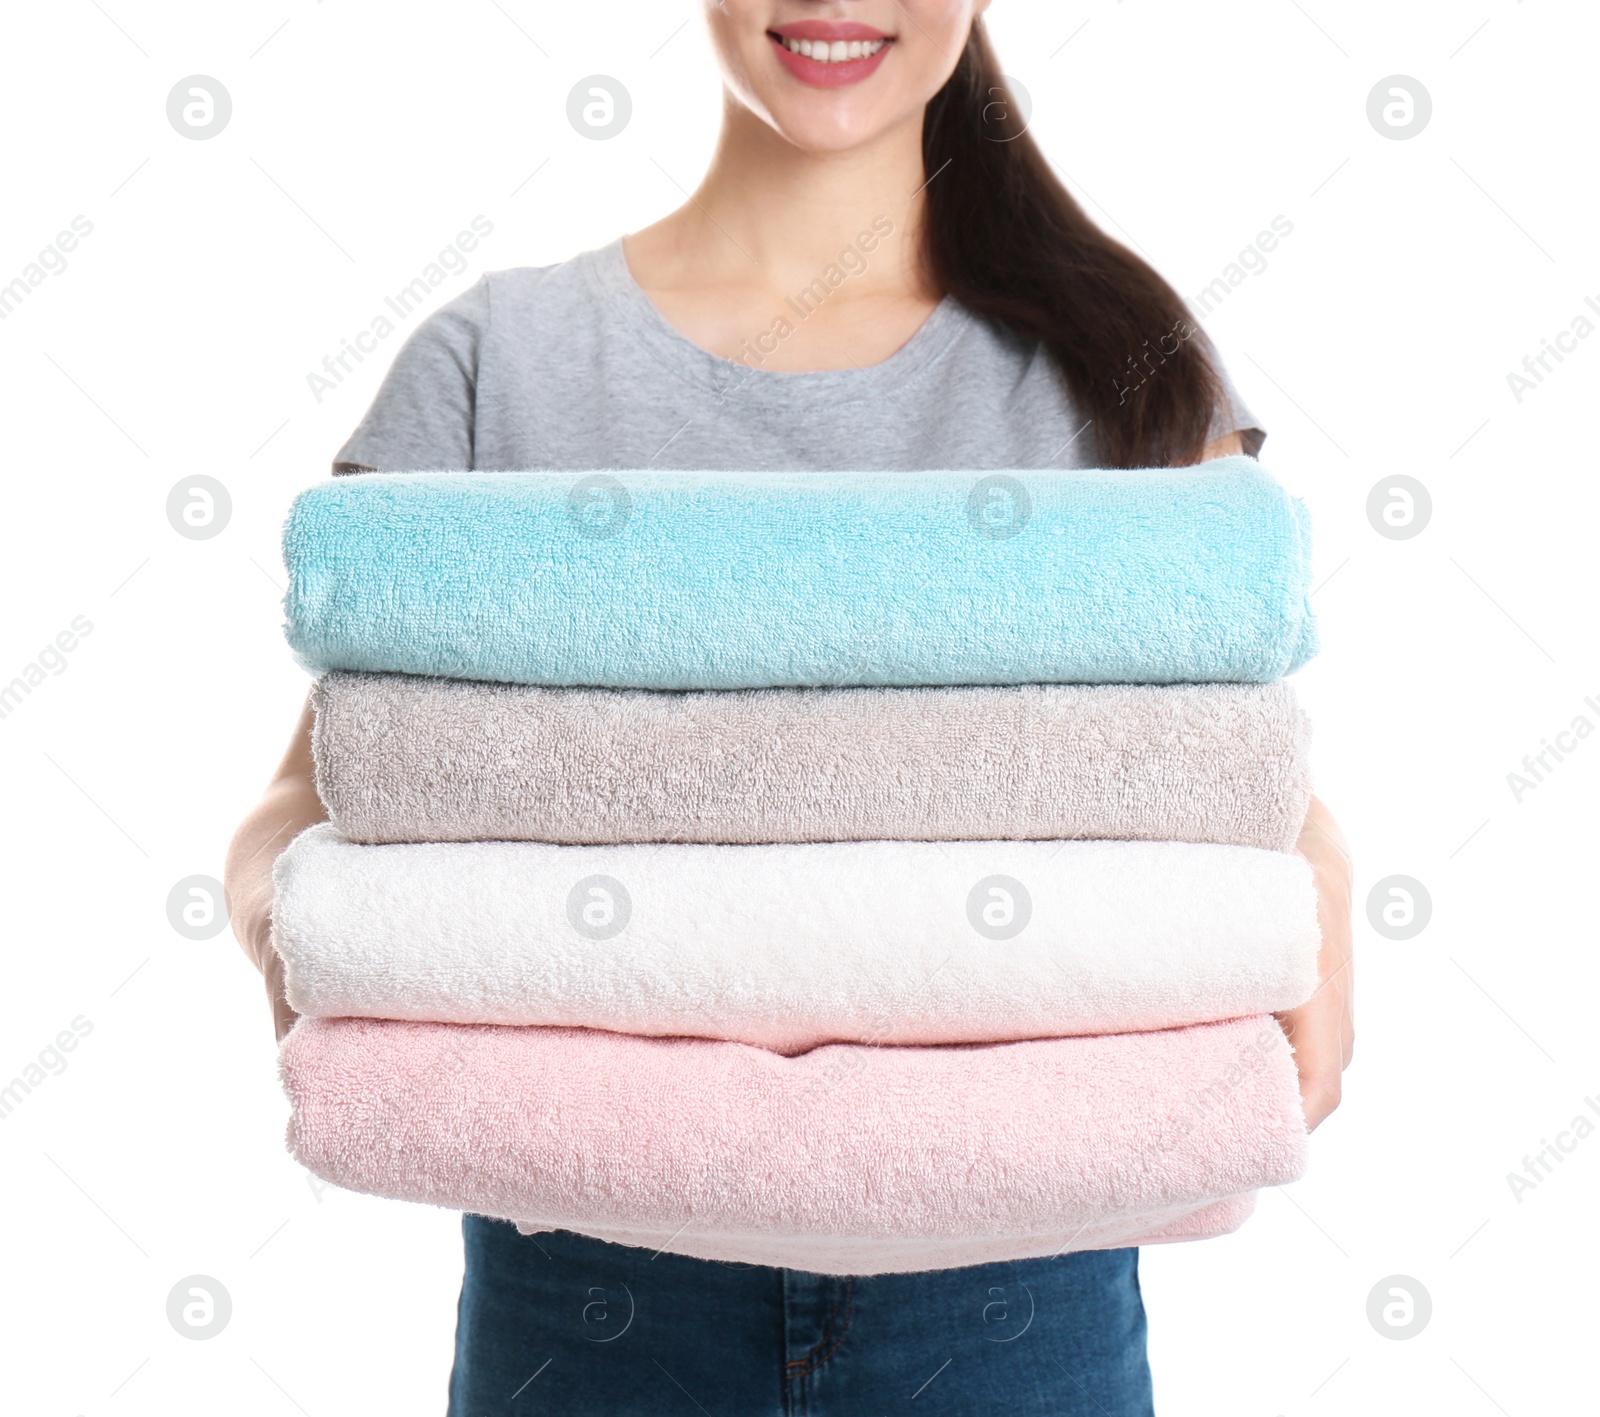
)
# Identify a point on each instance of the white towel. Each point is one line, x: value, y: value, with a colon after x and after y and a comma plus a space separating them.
x: 792, y: 946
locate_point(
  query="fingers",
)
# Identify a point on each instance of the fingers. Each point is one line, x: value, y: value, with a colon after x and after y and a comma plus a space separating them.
x: 1322, y: 1030
x: 1321, y: 1090
x: 283, y: 1017
x: 1322, y: 1036
x: 1336, y: 995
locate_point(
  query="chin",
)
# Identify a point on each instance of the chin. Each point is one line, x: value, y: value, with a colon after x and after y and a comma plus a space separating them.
x: 836, y: 126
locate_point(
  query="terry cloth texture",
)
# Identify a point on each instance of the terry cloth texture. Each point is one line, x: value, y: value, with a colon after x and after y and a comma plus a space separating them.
x: 683, y: 580
x: 789, y: 947
x: 847, y: 1159
x: 406, y: 758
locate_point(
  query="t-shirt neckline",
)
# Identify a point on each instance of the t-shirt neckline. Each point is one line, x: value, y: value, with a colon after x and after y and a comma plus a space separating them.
x: 726, y: 377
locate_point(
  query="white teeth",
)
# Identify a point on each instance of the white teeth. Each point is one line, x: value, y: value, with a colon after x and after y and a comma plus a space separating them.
x: 835, y: 53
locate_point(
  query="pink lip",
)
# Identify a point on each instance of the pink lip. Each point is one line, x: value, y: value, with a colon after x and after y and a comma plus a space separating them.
x: 828, y: 76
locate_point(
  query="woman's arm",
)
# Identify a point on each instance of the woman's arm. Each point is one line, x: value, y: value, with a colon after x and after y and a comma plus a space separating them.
x: 1323, y: 1028
x: 289, y: 805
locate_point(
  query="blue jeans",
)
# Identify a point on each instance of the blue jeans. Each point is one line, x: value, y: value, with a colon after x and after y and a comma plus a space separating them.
x: 556, y: 1323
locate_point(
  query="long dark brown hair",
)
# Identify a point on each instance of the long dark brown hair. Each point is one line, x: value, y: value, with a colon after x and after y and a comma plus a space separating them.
x: 1007, y: 240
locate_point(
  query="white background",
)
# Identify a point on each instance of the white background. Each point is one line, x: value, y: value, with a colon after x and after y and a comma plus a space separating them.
x: 364, y: 136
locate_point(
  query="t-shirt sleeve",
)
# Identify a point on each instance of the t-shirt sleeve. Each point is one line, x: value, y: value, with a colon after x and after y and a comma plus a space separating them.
x: 1232, y: 414
x: 423, y: 415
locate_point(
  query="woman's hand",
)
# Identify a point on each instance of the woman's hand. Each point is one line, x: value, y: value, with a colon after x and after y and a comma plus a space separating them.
x: 1323, y: 1028
x: 289, y: 805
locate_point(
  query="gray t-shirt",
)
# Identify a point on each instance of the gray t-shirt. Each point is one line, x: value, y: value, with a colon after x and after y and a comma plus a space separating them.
x: 570, y: 367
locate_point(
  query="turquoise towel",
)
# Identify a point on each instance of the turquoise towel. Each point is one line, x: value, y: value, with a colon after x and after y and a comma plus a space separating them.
x: 690, y: 580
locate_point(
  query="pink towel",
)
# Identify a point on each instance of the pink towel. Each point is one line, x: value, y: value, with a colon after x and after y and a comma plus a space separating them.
x: 848, y: 1159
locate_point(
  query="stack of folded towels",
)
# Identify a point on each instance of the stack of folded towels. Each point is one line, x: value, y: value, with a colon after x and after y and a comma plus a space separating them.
x: 848, y: 872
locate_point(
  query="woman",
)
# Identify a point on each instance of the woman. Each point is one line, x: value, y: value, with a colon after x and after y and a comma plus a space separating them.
x: 879, y: 270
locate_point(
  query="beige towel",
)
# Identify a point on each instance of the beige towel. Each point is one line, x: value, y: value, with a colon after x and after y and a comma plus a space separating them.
x: 408, y: 758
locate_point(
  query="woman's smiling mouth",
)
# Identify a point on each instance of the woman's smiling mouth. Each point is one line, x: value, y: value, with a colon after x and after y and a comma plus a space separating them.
x: 827, y: 54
